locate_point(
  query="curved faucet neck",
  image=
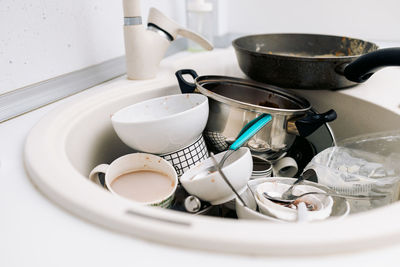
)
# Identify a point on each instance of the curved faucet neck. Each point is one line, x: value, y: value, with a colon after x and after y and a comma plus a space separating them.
x: 132, y: 8
x: 146, y: 46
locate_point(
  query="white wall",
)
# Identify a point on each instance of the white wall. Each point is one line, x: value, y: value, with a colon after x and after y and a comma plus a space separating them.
x: 44, y: 39
x: 368, y: 19
x: 47, y: 38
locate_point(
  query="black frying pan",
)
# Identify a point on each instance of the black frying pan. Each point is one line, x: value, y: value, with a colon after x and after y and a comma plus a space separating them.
x: 311, y: 61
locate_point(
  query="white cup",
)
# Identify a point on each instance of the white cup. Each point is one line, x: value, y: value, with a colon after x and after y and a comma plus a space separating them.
x: 137, y: 162
x: 285, y: 167
x: 212, y: 187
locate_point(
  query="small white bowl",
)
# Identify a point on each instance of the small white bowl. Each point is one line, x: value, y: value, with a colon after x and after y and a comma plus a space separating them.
x: 322, y: 203
x: 162, y: 125
x: 212, y: 187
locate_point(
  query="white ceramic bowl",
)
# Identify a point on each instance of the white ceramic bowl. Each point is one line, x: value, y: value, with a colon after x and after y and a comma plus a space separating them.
x: 322, y: 203
x: 340, y: 208
x: 212, y: 187
x: 162, y: 125
x: 250, y: 212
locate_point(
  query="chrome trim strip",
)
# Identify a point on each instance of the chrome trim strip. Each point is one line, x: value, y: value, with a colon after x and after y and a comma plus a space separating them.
x: 132, y: 21
x: 26, y: 99
x: 34, y: 96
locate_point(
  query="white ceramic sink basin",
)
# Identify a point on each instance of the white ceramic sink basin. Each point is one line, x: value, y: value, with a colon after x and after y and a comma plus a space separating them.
x: 66, y: 144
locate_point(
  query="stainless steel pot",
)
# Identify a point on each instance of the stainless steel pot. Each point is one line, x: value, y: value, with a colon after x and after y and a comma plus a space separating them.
x: 234, y: 102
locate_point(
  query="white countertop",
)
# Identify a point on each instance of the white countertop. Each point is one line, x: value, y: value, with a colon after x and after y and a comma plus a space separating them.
x: 36, y: 232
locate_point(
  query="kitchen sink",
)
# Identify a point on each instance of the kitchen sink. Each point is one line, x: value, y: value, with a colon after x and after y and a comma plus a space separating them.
x: 66, y: 144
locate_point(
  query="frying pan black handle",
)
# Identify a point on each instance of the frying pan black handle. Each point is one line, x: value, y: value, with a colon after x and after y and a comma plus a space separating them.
x: 362, y: 68
x: 186, y: 87
x: 312, y: 122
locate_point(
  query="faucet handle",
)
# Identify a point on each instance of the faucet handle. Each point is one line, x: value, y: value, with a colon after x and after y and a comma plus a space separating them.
x: 173, y: 29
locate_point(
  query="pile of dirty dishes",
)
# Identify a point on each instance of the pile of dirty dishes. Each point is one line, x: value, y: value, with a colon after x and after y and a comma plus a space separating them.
x: 166, y: 132
x: 318, y: 207
x: 170, y: 154
x: 310, y: 207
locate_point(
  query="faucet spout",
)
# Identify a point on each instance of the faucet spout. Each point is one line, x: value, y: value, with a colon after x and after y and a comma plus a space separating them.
x: 145, y: 48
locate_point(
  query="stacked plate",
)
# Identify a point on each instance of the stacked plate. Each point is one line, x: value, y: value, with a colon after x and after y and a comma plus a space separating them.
x: 262, y: 168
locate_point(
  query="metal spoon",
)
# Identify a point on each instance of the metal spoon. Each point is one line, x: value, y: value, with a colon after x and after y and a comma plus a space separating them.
x: 293, y: 198
x: 248, y: 131
x: 305, y: 176
x: 217, y: 166
x: 253, y: 195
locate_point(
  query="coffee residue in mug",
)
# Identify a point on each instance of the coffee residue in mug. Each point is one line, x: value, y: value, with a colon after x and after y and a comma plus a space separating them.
x: 143, y: 185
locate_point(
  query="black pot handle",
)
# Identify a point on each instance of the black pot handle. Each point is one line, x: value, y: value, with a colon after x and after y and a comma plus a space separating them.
x: 307, y: 125
x: 363, y: 67
x: 186, y: 87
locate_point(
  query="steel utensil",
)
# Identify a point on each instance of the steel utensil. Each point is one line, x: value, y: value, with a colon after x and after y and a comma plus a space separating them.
x: 293, y: 198
x: 305, y: 176
x: 234, y: 101
x: 226, y: 179
x: 248, y: 131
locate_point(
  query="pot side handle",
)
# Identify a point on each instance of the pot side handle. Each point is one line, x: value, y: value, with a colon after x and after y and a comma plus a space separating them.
x: 185, y: 86
x: 363, y: 67
x: 309, y: 124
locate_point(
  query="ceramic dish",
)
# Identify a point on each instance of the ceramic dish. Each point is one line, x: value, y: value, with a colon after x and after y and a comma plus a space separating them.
x: 340, y: 207
x: 321, y: 204
x: 262, y: 168
x: 212, y: 187
x: 162, y: 125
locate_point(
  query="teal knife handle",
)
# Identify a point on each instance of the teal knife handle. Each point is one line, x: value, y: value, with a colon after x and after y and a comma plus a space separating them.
x: 249, y: 124
x: 251, y: 131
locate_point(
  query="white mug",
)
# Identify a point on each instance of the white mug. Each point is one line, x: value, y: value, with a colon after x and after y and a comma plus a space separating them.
x: 285, y: 167
x: 137, y: 162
